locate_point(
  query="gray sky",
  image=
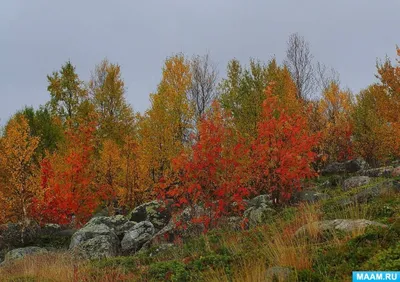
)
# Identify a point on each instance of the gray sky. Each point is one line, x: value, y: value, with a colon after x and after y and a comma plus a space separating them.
x: 37, y: 37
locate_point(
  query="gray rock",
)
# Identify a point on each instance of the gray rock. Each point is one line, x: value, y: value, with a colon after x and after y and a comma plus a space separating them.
x: 278, y: 273
x: 309, y: 196
x: 118, y: 223
x: 14, y: 235
x: 345, y: 225
x: 350, y: 166
x: 90, y: 231
x: 50, y: 229
x: 257, y: 216
x: 378, y: 172
x: 154, y: 212
x: 386, y: 187
x: 259, y: 201
x: 258, y: 210
x: 355, y: 181
x: 136, y: 237
x: 102, y: 246
x: 23, y: 252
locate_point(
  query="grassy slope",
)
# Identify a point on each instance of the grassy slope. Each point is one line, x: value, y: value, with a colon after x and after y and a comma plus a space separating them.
x: 246, y: 255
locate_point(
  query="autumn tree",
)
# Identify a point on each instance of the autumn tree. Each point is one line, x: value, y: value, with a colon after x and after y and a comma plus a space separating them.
x: 388, y: 103
x: 282, y: 152
x: 18, y: 172
x: 242, y: 92
x: 211, y: 174
x: 109, y: 171
x: 373, y: 137
x: 68, y: 190
x: 69, y: 98
x: 335, y: 109
x: 164, y: 128
x: 107, y: 91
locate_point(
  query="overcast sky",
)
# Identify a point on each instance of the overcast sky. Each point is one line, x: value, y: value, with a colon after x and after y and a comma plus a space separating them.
x: 37, y: 37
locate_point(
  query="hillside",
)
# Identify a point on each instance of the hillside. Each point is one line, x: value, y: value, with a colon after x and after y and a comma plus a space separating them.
x: 358, y: 229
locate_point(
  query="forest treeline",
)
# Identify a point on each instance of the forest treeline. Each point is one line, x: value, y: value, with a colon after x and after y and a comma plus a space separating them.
x: 264, y: 128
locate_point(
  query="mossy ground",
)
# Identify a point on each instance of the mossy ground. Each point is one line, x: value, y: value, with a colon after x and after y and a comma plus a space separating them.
x: 223, y: 255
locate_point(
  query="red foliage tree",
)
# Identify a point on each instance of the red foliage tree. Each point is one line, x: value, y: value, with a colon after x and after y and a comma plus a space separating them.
x: 67, y: 182
x: 281, y: 155
x: 211, y: 176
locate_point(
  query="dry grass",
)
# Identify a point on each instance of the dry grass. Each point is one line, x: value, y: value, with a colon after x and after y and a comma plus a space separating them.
x: 44, y: 267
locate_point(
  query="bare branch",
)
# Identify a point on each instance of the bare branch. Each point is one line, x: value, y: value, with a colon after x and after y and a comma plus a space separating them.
x: 204, y: 82
x: 299, y: 62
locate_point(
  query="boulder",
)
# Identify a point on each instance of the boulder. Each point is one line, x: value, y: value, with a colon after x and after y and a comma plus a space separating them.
x: 396, y: 172
x: 90, y: 231
x: 50, y: 229
x: 259, y: 201
x: 355, y: 181
x: 309, y: 196
x: 14, y: 235
x: 345, y: 225
x: 386, y: 187
x: 118, y: 223
x: 350, y: 166
x: 101, y: 246
x: 137, y: 236
x: 258, y: 210
x: 154, y: 212
x: 378, y: 172
x: 258, y: 215
x: 278, y: 273
x: 23, y: 252
x: 95, y: 240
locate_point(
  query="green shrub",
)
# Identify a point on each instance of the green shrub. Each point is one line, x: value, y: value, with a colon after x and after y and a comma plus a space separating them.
x: 168, y: 271
x: 385, y: 260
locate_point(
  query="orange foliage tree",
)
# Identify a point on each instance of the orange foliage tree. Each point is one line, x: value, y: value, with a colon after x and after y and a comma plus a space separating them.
x: 18, y: 172
x: 335, y: 110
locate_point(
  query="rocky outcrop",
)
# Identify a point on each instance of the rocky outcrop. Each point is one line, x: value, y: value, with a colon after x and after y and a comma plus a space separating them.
x: 350, y: 166
x: 13, y: 235
x: 119, y: 224
x: 99, y: 237
x: 154, y: 211
x: 98, y: 247
x: 23, y: 252
x: 95, y: 241
x: 137, y: 236
x: 378, y: 172
x: 355, y: 181
x: 345, y: 225
x: 386, y: 187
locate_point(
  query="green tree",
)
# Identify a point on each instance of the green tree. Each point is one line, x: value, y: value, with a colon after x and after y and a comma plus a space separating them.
x: 116, y: 118
x: 46, y: 127
x: 68, y: 95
